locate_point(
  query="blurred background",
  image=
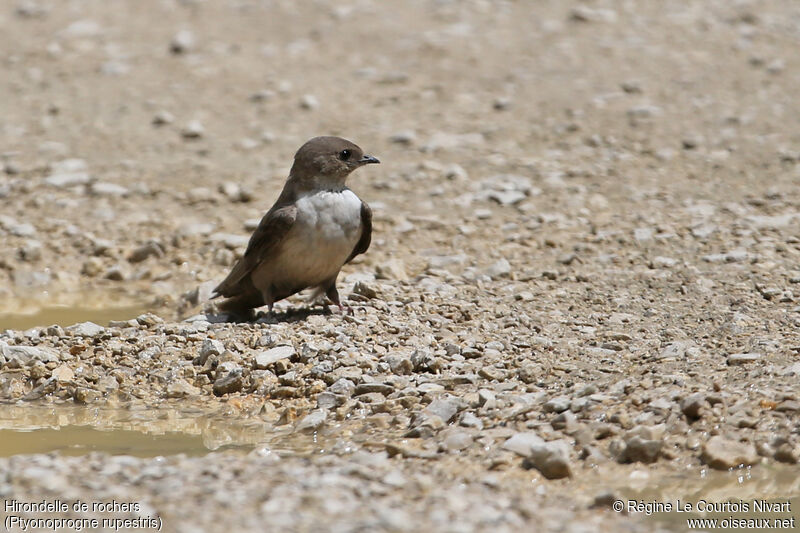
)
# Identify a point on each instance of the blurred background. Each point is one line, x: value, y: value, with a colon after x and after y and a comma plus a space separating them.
x: 141, y: 141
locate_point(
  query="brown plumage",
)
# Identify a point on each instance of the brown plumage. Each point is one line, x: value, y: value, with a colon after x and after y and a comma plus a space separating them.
x: 315, y: 227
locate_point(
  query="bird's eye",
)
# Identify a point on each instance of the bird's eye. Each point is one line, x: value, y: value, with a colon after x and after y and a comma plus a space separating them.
x: 344, y: 155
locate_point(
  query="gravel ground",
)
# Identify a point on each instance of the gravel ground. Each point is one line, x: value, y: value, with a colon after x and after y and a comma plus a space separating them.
x: 584, y: 281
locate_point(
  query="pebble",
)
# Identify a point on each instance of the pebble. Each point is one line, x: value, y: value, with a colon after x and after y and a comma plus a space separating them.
x: 406, y: 137
x: 264, y: 360
x: 81, y: 28
x: 63, y: 180
x: 551, y: 459
x: 101, y: 188
x: 444, y: 408
x: 228, y: 382
x: 20, y: 356
x: 162, y: 118
x: 18, y: 229
x: 193, y: 130
x: 584, y: 13
x: 557, y: 405
x: 312, y: 421
x: 208, y: 348
x: 735, y: 359
x: 694, y: 405
x: 31, y: 251
x: 640, y: 450
x: 367, y: 388
x: 454, y: 439
x: 86, y: 329
x: 501, y: 268
x: 392, y: 269
x: 181, y: 388
x: 722, y: 454
x: 522, y: 443
x: 663, y: 262
x: 145, y: 251
x: 309, y: 101
x: 786, y: 453
x: 182, y: 42
x: 63, y: 373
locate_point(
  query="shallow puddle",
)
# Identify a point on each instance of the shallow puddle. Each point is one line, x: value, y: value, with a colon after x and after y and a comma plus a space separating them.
x: 80, y: 440
x: 63, y: 315
x: 74, y: 430
x: 764, y: 497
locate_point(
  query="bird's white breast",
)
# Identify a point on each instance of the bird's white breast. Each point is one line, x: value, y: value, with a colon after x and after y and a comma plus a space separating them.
x: 325, y: 231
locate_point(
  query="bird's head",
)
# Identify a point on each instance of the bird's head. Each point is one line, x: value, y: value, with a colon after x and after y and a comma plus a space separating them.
x: 327, y: 161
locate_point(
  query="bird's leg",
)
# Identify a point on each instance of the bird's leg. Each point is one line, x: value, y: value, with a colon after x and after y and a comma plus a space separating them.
x: 333, y: 294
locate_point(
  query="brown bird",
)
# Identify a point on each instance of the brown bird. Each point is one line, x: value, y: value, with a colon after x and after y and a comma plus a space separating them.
x: 315, y: 227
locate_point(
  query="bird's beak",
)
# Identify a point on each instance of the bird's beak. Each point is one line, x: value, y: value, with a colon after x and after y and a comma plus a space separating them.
x: 367, y: 159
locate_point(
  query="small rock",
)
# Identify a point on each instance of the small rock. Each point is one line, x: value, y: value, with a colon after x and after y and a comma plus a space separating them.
x: 162, y: 118
x: 85, y: 396
x: 470, y: 420
x: 235, y: 192
x: 406, y: 137
x: 264, y: 360
x: 229, y: 382
x: 444, y: 408
x: 19, y: 356
x: 566, y: 422
x: 663, y: 262
x: 743, y: 358
x: 788, y: 406
x: 456, y: 439
x: 31, y: 251
x: 424, y: 361
x: 786, y: 453
x: 639, y: 450
x: 343, y: 386
x: 501, y: 103
x: 82, y: 29
x: 721, y: 453
x: 312, y: 421
x: 583, y: 13
x: 107, y: 384
x: 557, y: 405
x: 115, y: 273
x: 151, y: 249
x: 48, y: 387
x: 86, y: 329
x: 329, y: 400
x: 400, y: 365
x: 182, y: 42
x: 367, y: 388
x: 181, y: 388
x: 361, y: 288
x: 309, y: 101
x: 487, y: 399
x: 551, y: 459
x: 208, y: 348
x: 391, y: 269
x: 692, y: 406
x: 522, y: 443
x: 500, y: 269
x: 193, y: 130
x: 63, y: 373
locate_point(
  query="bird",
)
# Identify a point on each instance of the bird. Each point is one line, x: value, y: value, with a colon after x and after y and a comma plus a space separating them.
x: 315, y: 227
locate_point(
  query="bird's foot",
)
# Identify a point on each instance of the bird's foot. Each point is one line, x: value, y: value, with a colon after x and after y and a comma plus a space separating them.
x: 345, y: 309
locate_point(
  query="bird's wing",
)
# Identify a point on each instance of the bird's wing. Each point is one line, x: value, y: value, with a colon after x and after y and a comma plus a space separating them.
x: 270, y: 232
x: 366, y: 232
